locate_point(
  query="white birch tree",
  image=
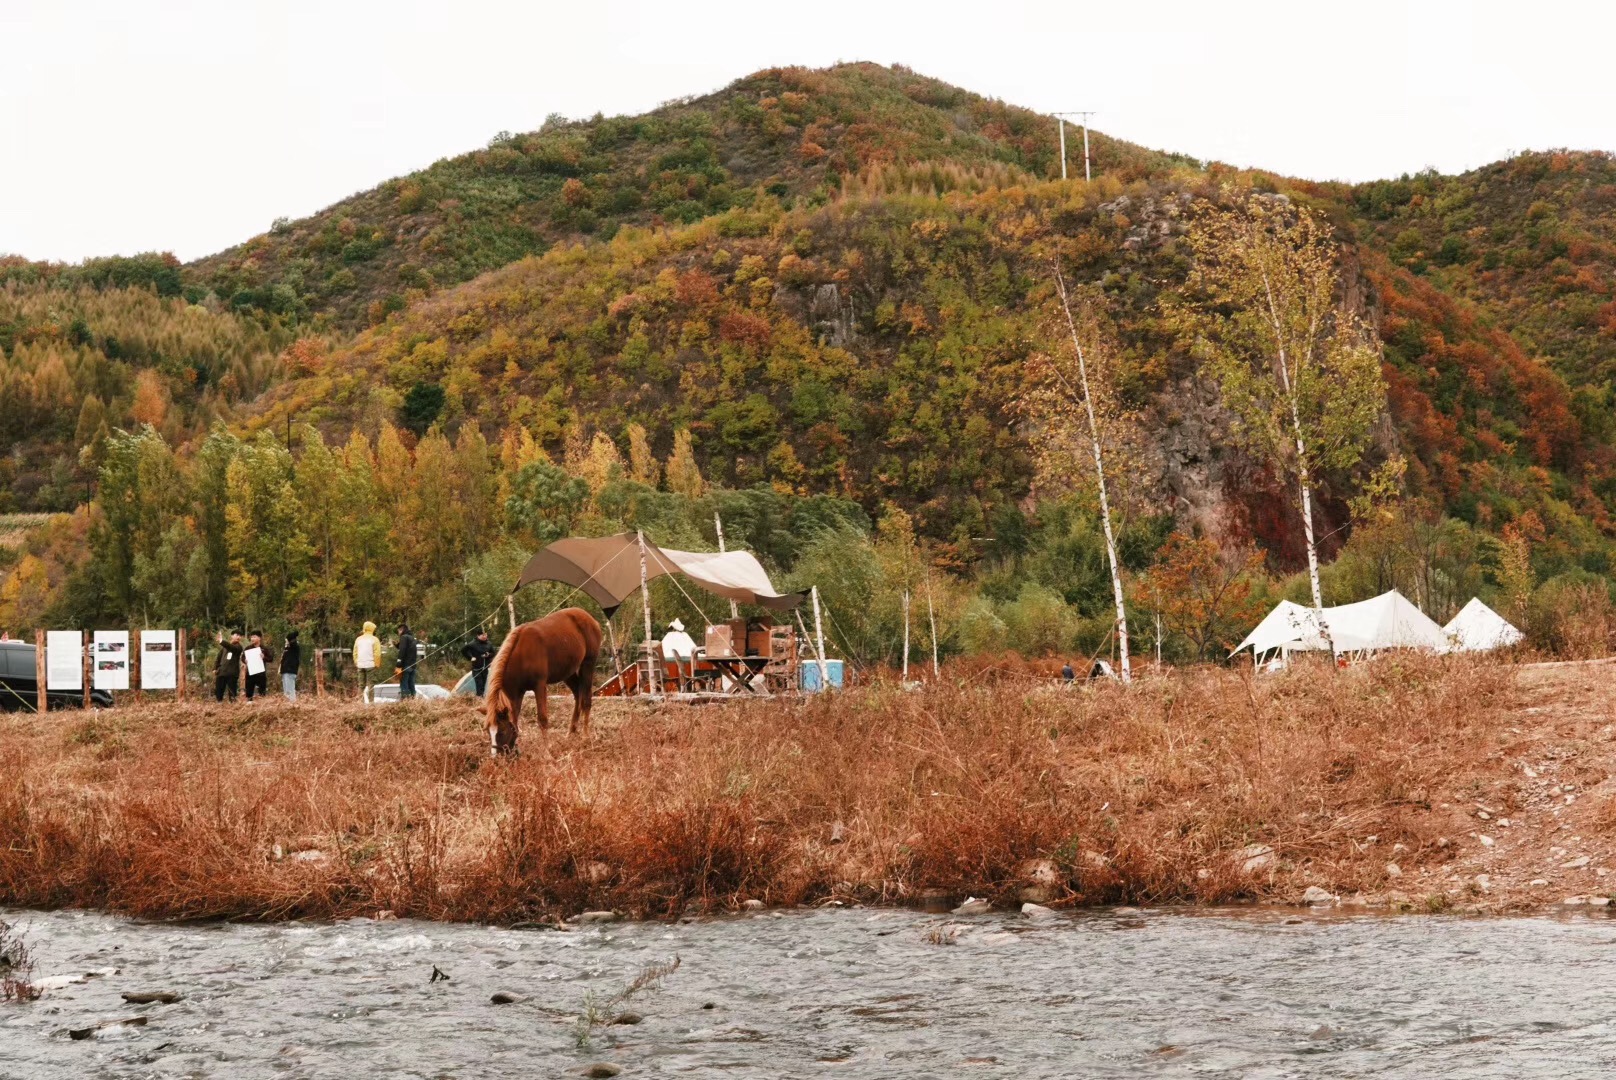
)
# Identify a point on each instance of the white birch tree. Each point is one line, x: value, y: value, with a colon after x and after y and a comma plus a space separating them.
x: 1052, y: 411
x: 1300, y: 372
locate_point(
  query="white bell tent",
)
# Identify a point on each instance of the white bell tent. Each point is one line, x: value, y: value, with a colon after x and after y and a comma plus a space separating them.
x: 1387, y: 621
x: 1478, y: 628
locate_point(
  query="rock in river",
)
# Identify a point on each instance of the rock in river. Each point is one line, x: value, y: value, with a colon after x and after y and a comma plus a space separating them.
x: 597, y: 917
x: 89, y: 1032
x: 505, y: 997
x: 973, y: 906
x: 151, y: 997
x: 602, y: 1069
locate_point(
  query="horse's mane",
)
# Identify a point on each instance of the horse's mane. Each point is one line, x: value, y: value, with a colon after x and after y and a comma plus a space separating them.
x: 496, y: 671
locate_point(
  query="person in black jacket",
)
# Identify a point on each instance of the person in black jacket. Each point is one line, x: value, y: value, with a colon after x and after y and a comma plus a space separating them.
x: 291, y: 660
x: 408, y: 657
x: 481, y: 655
x: 227, y: 667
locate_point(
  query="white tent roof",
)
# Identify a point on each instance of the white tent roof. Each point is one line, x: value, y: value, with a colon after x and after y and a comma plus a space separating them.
x: 1388, y: 621
x: 1288, y: 626
x: 1478, y: 628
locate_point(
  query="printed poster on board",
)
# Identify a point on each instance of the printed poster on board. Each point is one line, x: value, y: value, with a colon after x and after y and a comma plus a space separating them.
x: 109, y: 660
x: 64, y: 660
x: 254, y: 656
x: 159, y: 662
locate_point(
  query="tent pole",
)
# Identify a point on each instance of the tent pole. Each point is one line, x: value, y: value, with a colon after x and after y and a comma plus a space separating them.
x: 510, y: 608
x: 819, y: 637
x: 611, y: 635
x: 654, y: 682
x: 718, y: 523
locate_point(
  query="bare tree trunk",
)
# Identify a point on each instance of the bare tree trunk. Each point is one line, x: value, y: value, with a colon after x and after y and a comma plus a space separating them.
x: 1099, y: 474
x: 1304, y: 477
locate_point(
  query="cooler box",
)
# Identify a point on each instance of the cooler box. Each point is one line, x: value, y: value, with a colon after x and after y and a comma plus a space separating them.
x: 809, y: 670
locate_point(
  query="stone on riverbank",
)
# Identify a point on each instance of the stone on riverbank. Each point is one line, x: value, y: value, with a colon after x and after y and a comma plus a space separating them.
x: 597, y: 917
x: 1037, y: 911
x: 1316, y: 895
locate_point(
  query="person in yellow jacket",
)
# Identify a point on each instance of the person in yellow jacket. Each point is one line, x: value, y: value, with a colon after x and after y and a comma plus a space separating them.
x: 367, y: 656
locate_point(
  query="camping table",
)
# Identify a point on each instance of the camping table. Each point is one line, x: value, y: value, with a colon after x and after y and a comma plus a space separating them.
x: 743, y: 669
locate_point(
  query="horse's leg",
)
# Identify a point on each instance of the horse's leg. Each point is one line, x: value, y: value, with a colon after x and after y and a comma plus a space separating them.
x: 579, y: 688
x: 584, y: 693
x: 541, y: 698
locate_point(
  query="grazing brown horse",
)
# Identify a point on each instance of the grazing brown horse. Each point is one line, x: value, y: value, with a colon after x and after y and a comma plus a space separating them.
x: 561, y: 647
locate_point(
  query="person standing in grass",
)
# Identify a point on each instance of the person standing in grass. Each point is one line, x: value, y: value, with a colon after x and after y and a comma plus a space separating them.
x: 408, y: 656
x: 227, y: 666
x: 291, y: 660
x: 367, y: 656
x: 481, y: 654
x: 256, y: 657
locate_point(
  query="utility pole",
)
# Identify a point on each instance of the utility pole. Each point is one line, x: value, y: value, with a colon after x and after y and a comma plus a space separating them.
x: 1082, y: 121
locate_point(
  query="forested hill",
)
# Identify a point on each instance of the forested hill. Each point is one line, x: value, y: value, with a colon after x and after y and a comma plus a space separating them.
x: 788, y: 134
x: 825, y: 284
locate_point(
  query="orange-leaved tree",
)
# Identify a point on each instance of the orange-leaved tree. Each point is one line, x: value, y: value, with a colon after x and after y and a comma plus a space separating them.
x: 1203, y: 593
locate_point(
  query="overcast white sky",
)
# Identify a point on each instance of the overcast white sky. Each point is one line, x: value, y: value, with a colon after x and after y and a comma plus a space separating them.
x: 189, y: 125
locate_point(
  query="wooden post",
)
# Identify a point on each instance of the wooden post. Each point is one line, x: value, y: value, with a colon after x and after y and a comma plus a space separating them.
x: 39, y: 668
x: 906, y: 635
x: 653, y: 684
x: 931, y: 614
x: 819, y: 640
x: 179, y: 665
x: 89, y: 663
x: 319, y: 672
x: 134, y: 664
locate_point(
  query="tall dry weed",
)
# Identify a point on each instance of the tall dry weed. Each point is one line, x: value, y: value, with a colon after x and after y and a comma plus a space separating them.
x: 1158, y: 791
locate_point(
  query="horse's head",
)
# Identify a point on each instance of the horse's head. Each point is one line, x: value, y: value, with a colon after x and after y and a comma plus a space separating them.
x: 501, y: 723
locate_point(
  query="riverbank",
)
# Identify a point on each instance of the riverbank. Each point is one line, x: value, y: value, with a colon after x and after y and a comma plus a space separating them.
x: 1407, y: 784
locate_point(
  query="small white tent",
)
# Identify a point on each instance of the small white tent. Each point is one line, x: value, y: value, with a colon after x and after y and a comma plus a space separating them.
x: 1478, y: 628
x: 1289, y: 626
x: 1388, y: 621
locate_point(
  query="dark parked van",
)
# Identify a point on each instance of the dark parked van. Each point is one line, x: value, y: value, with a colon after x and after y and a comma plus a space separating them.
x: 19, y: 684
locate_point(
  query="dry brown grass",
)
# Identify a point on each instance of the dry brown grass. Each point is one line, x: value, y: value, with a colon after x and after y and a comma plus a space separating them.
x: 1147, y: 793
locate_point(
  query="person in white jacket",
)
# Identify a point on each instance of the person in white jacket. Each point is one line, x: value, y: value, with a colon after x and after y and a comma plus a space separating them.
x: 680, y: 647
x: 367, y: 656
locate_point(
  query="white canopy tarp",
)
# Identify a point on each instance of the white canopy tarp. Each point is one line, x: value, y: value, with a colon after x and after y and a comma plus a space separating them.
x: 1289, y: 626
x: 1478, y: 628
x: 1387, y: 621
x: 607, y: 568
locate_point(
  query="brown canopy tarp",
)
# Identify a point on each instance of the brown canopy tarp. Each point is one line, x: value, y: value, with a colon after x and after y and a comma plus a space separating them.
x: 607, y: 570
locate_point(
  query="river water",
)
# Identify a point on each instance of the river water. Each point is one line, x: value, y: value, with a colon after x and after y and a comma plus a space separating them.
x: 831, y: 993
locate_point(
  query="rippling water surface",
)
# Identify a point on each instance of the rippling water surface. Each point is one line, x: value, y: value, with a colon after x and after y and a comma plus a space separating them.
x: 834, y: 993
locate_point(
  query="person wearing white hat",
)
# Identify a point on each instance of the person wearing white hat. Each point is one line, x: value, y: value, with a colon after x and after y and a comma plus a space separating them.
x: 681, y: 648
